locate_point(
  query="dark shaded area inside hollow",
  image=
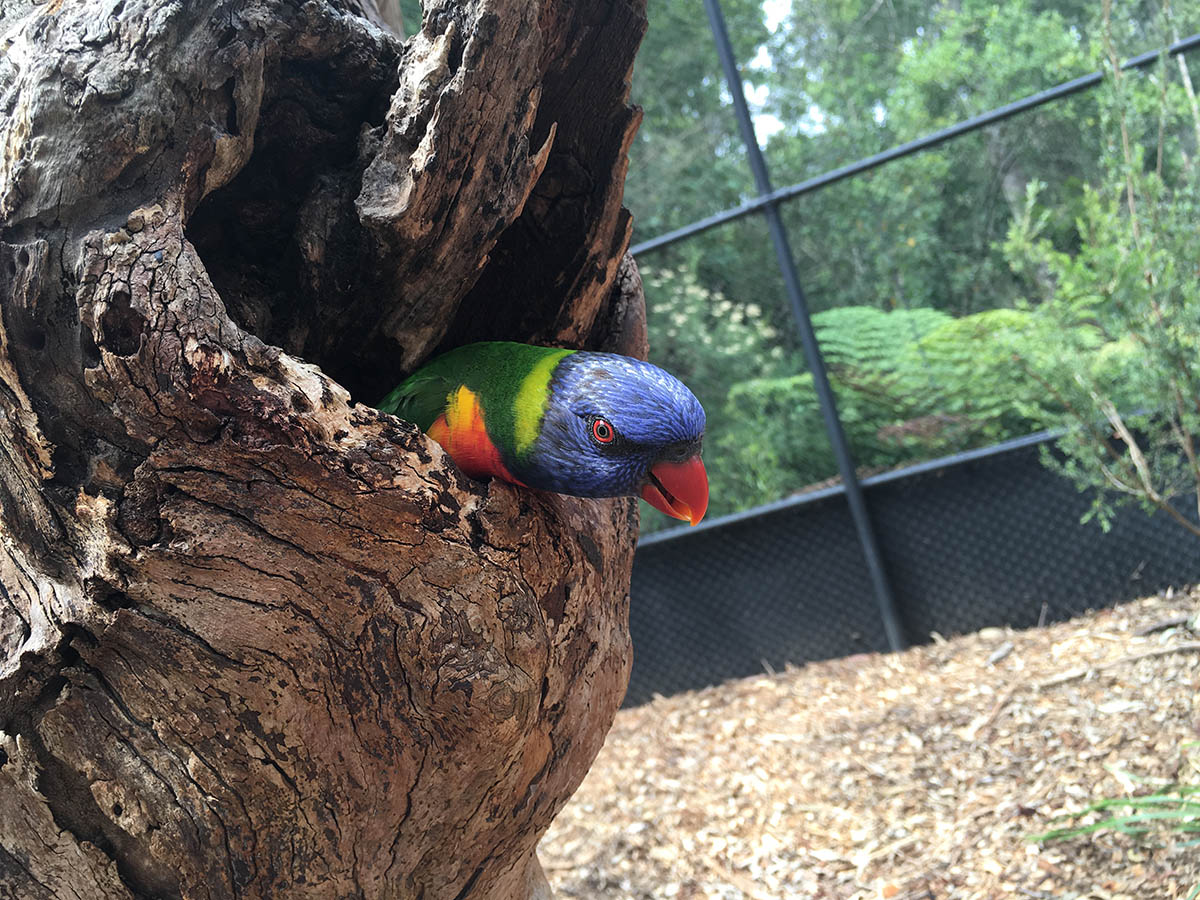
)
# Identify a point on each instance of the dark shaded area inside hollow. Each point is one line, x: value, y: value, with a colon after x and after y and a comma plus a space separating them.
x: 283, y: 244
x: 289, y: 256
x: 295, y: 265
x: 281, y: 241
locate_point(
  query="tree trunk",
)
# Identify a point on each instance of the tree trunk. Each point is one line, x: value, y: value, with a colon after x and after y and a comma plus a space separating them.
x: 257, y: 639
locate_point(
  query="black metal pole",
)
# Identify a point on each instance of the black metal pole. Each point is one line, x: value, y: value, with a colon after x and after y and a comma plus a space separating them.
x: 808, y: 338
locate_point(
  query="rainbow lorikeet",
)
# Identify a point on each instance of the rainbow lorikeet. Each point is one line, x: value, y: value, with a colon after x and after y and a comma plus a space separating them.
x: 569, y: 421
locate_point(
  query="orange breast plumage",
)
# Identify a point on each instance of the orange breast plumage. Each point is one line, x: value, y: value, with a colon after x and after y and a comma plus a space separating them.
x: 461, y: 430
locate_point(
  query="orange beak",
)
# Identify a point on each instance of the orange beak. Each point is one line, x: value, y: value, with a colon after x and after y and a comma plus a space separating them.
x: 678, y: 489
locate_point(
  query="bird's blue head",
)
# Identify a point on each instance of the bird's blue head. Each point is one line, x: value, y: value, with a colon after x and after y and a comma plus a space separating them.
x: 616, y: 426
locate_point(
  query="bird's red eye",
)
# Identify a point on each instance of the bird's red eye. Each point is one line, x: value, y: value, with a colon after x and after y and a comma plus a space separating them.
x: 602, y: 431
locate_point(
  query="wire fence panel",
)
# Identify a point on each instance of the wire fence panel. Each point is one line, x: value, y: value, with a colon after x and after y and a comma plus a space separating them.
x: 787, y: 586
x: 998, y: 541
x: 990, y: 538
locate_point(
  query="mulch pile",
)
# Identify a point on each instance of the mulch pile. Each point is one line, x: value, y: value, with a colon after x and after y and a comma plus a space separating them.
x: 913, y: 776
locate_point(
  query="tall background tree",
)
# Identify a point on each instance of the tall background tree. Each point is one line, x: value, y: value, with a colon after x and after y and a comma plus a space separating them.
x: 256, y: 638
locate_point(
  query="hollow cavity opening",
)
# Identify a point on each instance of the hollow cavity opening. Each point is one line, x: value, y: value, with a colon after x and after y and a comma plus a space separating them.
x: 281, y: 241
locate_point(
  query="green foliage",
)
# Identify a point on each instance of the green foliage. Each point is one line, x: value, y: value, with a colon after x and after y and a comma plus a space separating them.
x: 704, y: 337
x: 863, y: 339
x: 1133, y: 427
x: 1170, y: 813
x: 923, y: 231
x: 1173, y: 810
x: 687, y: 160
x: 766, y: 437
x: 888, y: 370
x: 975, y: 292
x: 410, y: 12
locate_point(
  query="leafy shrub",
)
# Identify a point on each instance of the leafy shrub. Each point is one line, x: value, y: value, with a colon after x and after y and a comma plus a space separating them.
x: 1127, y: 306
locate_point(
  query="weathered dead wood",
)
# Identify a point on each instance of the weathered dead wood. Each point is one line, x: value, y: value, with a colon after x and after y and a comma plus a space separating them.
x: 257, y: 639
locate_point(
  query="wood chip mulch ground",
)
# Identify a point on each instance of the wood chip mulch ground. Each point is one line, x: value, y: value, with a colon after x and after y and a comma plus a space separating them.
x: 915, y: 776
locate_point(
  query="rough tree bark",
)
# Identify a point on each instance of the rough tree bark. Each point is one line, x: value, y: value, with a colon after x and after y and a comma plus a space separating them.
x: 257, y: 639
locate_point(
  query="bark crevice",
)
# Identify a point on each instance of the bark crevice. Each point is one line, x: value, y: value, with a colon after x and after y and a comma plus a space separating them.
x: 75, y: 810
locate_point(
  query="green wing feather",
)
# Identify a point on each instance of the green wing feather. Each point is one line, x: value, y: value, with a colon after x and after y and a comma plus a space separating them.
x: 421, y: 397
x: 506, y: 377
